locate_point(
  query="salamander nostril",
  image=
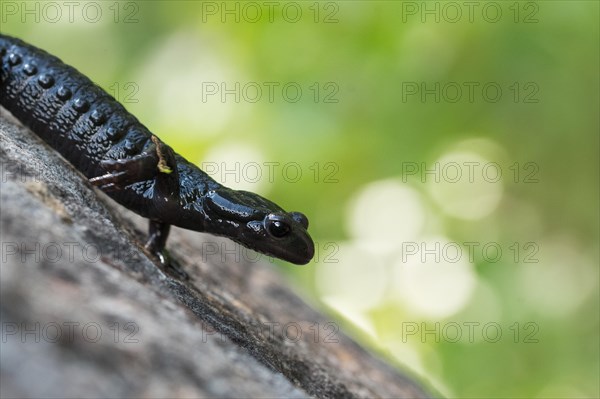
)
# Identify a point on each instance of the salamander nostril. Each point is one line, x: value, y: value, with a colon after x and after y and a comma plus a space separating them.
x: 300, y: 218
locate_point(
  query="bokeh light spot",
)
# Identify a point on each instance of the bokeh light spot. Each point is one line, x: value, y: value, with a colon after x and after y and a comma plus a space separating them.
x: 191, y: 97
x: 237, y: 165
x: 432, y: 280
x: 556, y: 278
x: 385, y: 213
x: 358, y: 279
x: 465, y: 185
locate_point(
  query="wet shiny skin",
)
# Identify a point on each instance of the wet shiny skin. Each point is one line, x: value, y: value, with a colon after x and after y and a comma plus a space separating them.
x: 120, y: 155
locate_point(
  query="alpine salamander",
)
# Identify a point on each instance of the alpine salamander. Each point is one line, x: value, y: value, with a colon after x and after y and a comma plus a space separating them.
x: 118, y: 154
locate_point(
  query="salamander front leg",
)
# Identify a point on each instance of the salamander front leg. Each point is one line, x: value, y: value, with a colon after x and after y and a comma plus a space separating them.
x: 157, y: 239
x: 157, y: 160
x: 123, y: 172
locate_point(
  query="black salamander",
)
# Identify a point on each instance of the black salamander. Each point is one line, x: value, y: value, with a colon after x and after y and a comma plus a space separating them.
x: 123, y: 158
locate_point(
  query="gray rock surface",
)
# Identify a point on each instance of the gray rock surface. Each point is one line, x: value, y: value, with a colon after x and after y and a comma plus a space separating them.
x: 85, y: 312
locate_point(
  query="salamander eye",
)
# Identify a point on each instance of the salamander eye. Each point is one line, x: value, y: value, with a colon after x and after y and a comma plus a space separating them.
x: 277, y: 226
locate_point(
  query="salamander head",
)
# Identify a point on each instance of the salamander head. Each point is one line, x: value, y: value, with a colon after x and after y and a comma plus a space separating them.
x: 258, y: 224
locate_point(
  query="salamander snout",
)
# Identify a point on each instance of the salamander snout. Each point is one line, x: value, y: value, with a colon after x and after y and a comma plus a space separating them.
x: 289, y: 230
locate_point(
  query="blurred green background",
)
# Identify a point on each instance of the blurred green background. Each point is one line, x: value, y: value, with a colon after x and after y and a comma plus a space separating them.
x: 446, y: 154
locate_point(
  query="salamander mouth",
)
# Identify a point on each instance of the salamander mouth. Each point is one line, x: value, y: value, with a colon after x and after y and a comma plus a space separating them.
x: 299, y: 252
x: 298, y: 256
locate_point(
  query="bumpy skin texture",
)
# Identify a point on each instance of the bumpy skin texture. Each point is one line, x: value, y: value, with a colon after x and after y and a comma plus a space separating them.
x: 120, y: 155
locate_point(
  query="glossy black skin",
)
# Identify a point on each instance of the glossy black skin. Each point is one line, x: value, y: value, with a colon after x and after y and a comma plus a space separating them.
x: 120, y: 155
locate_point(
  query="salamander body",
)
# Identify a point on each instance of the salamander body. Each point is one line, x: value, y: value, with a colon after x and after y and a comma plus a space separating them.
x: 96, y: 134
